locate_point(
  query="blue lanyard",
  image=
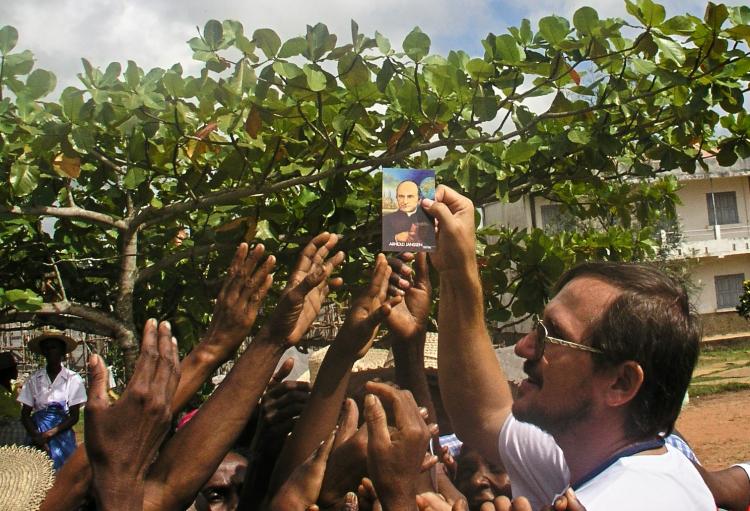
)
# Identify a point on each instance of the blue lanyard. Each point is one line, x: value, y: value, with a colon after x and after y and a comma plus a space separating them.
x: 628, y: 451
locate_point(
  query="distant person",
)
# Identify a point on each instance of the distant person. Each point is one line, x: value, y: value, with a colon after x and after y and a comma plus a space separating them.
x: 12, y: 431
x: 409, y: 226
x: 52, y: 397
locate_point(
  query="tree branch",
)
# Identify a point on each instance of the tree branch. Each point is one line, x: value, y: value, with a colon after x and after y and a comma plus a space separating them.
x: 65, y: 212
x: 99, y: 320
x: 60, y: 322
x: 176, y: 257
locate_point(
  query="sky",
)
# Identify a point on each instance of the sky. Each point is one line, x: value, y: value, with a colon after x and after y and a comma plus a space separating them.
x: 153, y: 33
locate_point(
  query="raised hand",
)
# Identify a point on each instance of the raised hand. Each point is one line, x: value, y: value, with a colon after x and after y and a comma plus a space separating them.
x: 300, y: 491
x: 456, y: 235
x: 241, y: 296
x: 366, y: 313
x: 566, y: 502
x: 394, y: 459
x: 306, y: 290
x: 408, y: 319
x: 282, y: 403
x: 122, y: 439
x: 234, y: 314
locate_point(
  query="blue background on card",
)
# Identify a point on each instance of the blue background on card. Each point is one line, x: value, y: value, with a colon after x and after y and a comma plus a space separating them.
x: 424, y: 178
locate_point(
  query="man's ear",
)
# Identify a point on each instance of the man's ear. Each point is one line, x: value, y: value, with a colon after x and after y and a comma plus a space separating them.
x: 625, y: 381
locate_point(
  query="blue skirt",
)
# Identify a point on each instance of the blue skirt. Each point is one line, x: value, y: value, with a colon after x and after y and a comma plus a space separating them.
x: 62, y: 445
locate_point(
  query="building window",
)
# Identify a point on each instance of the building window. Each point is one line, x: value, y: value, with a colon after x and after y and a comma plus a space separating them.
x: 722, y: 208
x: 728, y: 290
x: 551, y: 214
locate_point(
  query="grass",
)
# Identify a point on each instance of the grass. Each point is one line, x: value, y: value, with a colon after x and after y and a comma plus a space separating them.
x: 716, y: 388
x: 717, y: 359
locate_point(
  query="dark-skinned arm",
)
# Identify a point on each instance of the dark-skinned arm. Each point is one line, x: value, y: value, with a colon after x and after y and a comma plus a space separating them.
x: 69, y: 421
x: 407, y: 326
x: 196, y: 450
x: 474, y: 389
x: 730, y: 487
x: 122, y: 439
x: 230, y: 325
x: 30, y: 428
x: 352, y: 342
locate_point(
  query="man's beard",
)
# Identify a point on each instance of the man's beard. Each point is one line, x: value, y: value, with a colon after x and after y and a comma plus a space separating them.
x: 557, y: 422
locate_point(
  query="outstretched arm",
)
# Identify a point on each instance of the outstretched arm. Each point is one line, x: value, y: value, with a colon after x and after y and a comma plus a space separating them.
x: 407, y: 325
x: 122, y: 439
x: 193, y: 454
x: 474, y: 389
x: 352, y: 342
x: 234, y: 315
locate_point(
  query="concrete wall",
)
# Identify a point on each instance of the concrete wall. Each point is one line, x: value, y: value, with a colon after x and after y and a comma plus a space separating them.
x: 693, y: 212
x: 703, y: 276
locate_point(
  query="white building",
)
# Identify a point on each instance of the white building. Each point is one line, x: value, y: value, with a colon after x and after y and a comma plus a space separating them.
x: 714, y: 229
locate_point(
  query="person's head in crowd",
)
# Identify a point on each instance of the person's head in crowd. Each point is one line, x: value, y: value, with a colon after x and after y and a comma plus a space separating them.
x: 644, y: 337
x: 222, y: 491
x: 8, y: 369
x: 479, y: 480
x: 407, y: 196
x: 53, y: 345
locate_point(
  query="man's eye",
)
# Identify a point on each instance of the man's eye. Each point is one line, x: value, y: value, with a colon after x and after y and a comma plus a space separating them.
x: 213, y: 495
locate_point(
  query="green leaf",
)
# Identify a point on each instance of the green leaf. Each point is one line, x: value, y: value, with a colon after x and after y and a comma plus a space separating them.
x: 554, y: 29
x: 384, y: 45
x: 18, y: 64
x: 353, y: 71
x: 267, y: 40
x: 479, y: 69
x: 643, y: 67
x: 292, y: 47
x: 132, y: 74
x: 213, y: 33
x: 682, y: 25
x: 24, y: 178
x: 519, y: 151
x: 134, y: 177
x: 286, y: 69
x: 671, y: 50
x: 23, y: 299
x: 579, y: 136
x: 585, y: 20
x: 416, y: 45
x: 8, y: 39
x: 485, y: 107
x: 316, y: 79
x: 384, y: 75
x: 652, y: 14
x: 716, y: 15
x: 319, y: 41
x: 507, y: 49
x: 40, y: 83
x: 525, y: 32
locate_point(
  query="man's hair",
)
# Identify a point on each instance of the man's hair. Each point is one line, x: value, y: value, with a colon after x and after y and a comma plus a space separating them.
x: 652, y: 323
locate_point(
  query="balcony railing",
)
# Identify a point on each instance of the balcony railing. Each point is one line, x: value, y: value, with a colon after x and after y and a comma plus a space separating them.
x: 717, y: 240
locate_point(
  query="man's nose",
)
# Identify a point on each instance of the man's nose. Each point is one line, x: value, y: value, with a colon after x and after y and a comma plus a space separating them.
x: 479, y: 481
x: 524, y: 348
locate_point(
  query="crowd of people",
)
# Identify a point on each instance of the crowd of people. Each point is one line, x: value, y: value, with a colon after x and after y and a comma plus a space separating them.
x: 591, y: 427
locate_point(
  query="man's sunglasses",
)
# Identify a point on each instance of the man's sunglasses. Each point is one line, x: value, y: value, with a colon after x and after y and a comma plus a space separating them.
x: 543, y: 335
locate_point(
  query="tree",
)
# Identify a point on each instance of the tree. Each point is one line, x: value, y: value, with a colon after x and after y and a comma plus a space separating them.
x: 128, y: 195
x: 743, y: 309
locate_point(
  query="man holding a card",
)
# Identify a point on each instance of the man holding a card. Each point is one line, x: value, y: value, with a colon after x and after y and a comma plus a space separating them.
x: 608, y: 364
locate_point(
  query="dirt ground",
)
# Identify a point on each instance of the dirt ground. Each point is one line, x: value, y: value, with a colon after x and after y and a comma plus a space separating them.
x: 718, y: 428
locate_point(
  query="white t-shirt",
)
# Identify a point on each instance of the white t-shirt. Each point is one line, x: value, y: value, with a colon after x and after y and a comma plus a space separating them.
x: 38, y: 392
x: 538, y: 471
